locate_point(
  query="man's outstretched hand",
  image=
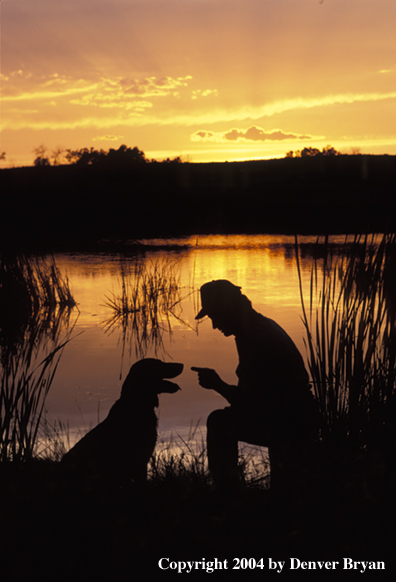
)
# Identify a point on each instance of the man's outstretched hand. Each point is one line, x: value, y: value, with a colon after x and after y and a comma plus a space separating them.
x: 208, y: 378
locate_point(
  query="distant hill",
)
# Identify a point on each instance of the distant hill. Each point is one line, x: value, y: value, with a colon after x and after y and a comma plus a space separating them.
x: 72, y: 205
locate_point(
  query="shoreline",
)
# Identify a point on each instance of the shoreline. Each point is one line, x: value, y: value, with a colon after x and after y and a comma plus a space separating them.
x: 61, y: 207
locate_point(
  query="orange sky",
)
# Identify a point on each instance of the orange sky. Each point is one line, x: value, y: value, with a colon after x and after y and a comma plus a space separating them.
x: 204, y: 79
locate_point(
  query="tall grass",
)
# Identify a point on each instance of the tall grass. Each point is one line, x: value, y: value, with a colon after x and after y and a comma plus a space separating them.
x: 350, y: 327
x: 23, y: 390
x: 185, y: 459
x: 150, y: 295
x: 36, y: 304
x: 181, y: 459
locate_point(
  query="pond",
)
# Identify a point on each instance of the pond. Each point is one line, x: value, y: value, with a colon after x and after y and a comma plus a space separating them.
x: 98, y: 357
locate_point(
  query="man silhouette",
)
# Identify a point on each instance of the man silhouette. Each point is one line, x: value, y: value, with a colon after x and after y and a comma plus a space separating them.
x: 272, y: 405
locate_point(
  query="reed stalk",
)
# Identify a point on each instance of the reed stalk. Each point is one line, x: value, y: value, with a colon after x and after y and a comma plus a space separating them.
x: 181, y: 459
x: 350, y: 340
x: 150, y: 294
x: 36, y: 304
x: 186, y: 459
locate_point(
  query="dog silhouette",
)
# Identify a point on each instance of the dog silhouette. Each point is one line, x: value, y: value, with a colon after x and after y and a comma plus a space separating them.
x: 120, y: 447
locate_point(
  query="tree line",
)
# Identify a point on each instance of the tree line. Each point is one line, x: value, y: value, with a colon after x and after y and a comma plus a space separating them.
x: 123, y: 156
x: 312, y: 152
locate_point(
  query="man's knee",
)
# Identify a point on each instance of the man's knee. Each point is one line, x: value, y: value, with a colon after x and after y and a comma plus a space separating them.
x: 218, y: 419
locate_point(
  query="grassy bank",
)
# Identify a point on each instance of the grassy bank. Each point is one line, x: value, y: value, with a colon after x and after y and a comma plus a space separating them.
x: 54, y: 526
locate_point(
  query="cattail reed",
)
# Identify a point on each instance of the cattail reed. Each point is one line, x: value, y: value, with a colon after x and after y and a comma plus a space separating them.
x: 350, y: 340
x: 35, y: 307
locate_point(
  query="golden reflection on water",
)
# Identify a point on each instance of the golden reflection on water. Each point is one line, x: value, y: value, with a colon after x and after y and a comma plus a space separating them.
x: 93, y: 366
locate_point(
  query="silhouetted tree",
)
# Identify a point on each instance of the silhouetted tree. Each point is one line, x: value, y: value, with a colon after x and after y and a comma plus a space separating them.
x: 329, y: 151
x: 39, y: 161
x: 58, y: 156
x: 313, y: 152
x: 85, y: 156
x: 115, y: 158
x: 124, y: 156
x: 176, y: 160
x: 310, y: 152
x: 42, y: 156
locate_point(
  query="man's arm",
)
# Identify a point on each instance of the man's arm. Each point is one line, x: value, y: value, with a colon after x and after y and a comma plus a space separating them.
x: 209, y: 379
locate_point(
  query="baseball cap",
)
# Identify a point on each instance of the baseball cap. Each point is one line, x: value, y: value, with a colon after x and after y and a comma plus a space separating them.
x: 216, y: 294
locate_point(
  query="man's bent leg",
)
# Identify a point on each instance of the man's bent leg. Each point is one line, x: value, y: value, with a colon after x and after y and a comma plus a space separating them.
x: 222, y: 447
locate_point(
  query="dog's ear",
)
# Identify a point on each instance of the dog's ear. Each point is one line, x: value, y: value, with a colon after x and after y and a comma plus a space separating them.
x: 128, y: 385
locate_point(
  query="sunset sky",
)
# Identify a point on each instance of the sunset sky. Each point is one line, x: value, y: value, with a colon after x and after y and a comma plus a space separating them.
x: 207, y: 80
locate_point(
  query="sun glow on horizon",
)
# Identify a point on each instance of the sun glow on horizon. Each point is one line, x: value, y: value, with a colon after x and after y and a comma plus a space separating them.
x: 203, y: 97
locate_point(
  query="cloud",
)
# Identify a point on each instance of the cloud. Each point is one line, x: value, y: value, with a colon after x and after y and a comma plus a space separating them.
x: 150, y: 86
x: 257, y: 134
x: 58, y: 101
x: 111, y: 102
x: 253, y: 133
x: 204, y: 93
x: 21, y: 85
x: 26, y: 98
x: 118, y: 92
x: 108, y: 138
x: 44, y: 89
x: 204, y: 135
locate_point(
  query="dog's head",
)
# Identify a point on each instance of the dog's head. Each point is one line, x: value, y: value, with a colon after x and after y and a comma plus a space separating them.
x: 148, y: 376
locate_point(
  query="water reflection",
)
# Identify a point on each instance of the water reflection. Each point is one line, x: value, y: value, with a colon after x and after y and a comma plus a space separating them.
x: 91, y: 372
x: 150, y: 298
x: 121, y: 320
